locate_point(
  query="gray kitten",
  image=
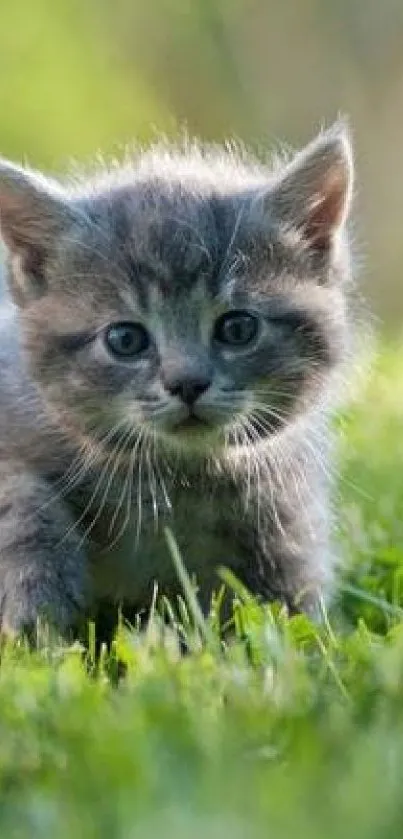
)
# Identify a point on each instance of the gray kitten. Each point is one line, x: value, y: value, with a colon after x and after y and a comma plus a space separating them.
x: 170, y: 354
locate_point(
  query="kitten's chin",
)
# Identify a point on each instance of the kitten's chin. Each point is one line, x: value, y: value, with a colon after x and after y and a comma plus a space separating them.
x: 192, y: 434
x: 187, y: 428
x: 191, y: 424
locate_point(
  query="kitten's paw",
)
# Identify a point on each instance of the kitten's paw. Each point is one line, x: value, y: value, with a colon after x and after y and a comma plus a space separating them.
x: 43, y: 564
x: 26, y: 608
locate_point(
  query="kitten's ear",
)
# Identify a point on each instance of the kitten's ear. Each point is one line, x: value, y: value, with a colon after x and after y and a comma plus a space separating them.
x: 32, y: 213
x: 313, y: 195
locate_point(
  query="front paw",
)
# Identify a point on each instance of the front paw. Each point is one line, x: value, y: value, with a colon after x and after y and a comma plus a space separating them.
x: 26, y: 605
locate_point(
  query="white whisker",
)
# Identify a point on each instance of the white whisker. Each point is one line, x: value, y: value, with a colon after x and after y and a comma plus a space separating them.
x: 127, y: 491
x: 118, y: 453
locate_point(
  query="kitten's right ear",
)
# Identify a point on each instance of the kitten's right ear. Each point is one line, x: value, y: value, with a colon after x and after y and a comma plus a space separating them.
x: 32, y: 213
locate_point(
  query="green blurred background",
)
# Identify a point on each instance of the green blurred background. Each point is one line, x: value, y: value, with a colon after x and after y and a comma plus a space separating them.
x: 79, y: 76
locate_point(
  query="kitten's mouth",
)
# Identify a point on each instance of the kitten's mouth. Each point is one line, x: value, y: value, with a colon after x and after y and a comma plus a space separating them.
x: 191, y: 423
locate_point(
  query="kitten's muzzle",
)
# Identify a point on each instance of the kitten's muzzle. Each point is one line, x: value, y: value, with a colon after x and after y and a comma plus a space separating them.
x: 190, y: 423
x: 187, y: 388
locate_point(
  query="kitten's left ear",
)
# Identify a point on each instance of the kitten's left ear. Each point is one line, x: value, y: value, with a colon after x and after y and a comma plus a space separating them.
x: 32, y: 213
x: 313, y: 195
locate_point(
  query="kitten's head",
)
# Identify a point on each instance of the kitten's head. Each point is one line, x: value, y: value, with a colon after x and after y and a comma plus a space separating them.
x: 194, y: 296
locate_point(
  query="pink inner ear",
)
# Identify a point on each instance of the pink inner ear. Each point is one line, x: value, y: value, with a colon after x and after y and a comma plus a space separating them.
x: 29, y: 214
x: 19, y: 225
x: 7, y: 212
x: 326, y: 210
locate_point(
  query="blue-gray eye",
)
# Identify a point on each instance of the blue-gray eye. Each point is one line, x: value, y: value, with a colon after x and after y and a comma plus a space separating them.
x: 236, y: 328
x: 127, y: 339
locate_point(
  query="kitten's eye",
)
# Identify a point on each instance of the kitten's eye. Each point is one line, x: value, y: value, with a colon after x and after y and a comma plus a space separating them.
x: 236, y: 328
x: 127, y: 339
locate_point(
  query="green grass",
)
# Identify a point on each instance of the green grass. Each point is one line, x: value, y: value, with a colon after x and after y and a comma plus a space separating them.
x: 286, y: 730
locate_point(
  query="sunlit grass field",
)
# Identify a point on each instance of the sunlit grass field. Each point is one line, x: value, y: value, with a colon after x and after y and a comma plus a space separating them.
x: 285, y: 729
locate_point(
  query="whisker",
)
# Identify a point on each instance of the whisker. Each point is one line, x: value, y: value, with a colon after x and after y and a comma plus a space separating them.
x: 126, y: 491
x: 139, y: 496
x: 260, y: 462
x: 118, y: 453
x: 158, y: 464
x: 80, y: 467
x: 201, y: 243
x: 225, y: 262
x: 152, y: 480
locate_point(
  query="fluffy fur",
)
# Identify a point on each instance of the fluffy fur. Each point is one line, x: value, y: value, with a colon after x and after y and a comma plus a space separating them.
x: 170, y: 352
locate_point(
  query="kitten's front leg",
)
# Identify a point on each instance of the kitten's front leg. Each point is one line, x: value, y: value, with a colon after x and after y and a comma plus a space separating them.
x: 293, y: 560
x: 43, y: 571
x: 285, y: 542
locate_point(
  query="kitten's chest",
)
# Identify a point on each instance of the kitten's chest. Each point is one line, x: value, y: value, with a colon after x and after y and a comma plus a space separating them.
x: 129, y: 553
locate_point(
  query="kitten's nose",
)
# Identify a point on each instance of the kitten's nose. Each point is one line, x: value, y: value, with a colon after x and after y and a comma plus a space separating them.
x: 188, y: 388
